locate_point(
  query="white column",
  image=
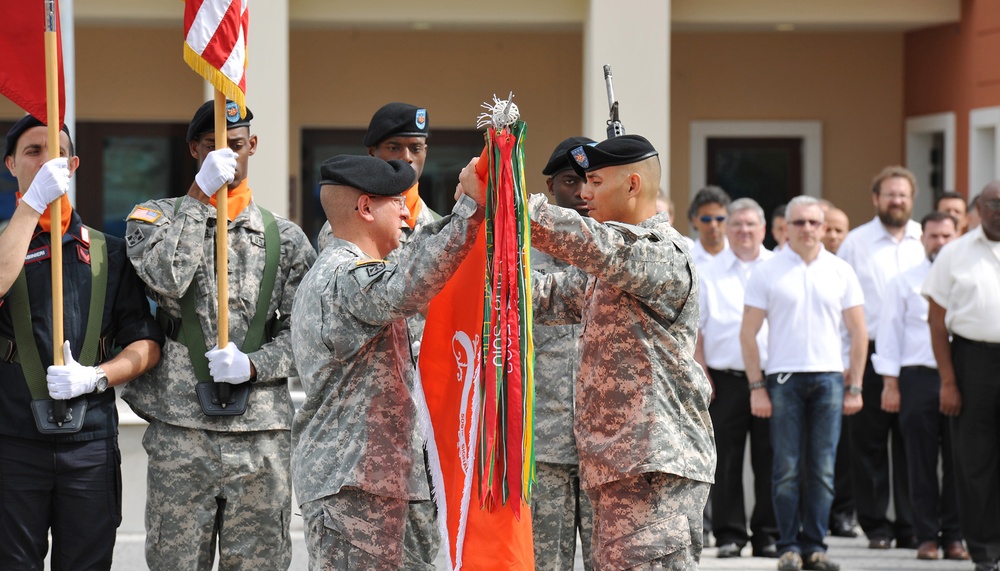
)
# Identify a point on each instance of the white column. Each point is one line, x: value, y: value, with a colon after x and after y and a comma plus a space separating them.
x: 633, y: 37
x: 267, y: 97
x: 67, y: 28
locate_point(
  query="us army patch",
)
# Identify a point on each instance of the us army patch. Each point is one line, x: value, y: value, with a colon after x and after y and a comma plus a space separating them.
x: 144, y: 215
x: 257, y: 240
x: 135, y: 237
x: 369, y: 271
x: 635, y: 232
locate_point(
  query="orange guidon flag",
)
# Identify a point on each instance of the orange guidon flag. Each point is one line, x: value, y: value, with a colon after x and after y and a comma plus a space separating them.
x: 450, y: 369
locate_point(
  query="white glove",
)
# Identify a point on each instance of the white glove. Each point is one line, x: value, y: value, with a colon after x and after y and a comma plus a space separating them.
x: 50, y: 183
x: 228, y: 365
x: 218, y: 169
x: 72, y: 379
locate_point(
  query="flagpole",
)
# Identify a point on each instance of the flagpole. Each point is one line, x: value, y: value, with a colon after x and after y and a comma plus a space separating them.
x: 55, y: 208
x: 222, y: 239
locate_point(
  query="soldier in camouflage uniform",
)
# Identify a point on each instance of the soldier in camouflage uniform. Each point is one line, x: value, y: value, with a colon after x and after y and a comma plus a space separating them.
x: 217, y: 478
x: 399, y: 131
x: 644, y: 435
x: 357, y: 459
x: 559, y: 507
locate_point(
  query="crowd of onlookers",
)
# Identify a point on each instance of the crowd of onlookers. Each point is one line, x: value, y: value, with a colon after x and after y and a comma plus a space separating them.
x: 853, y: 360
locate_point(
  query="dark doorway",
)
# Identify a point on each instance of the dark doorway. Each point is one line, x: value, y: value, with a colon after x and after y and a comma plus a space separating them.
x: 766, y: 169
x: 448, y: 151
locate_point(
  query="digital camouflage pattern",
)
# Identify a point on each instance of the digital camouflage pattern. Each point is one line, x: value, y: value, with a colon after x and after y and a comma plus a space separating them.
x: 357, y: 427
x: 649, y: 522
x: 248, y: 474
x: 422, y: 534
x: 641, y: 400
x: 349, y: 530
x: 559, y: 507
x: 174, y: 252
x: 556, y: 364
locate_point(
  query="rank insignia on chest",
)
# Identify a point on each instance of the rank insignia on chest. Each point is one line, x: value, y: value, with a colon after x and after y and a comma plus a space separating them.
x: 83, y: 254
x: 257, y: 240
x: 145, y: 214
x: 135, y: 237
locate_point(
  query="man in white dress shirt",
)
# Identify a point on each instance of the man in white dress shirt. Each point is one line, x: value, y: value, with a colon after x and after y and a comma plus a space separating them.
x: 879, y: 250
x: 904, y: 358
x: 707, y: 214
x: 962, y: 290
x: 806, y: 294
x: 723, y: 281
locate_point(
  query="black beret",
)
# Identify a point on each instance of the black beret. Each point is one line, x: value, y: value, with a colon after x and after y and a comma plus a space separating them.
x: 623, y: 150
x: 204, y: 119
x: 22, y: 125
x: 396, y: 119
x: 560, y: 161
x: 368, y: 174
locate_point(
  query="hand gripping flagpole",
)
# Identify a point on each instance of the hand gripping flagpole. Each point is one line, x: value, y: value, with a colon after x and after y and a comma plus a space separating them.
x: 222, y: 240
x: 55, y: 207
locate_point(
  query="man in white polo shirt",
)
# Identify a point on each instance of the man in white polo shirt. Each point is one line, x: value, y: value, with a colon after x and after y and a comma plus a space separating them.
x: 723, y: 281
x: 806, y: 294
x: 707, y: 215
x: 879, y: 250
x: 904, y: 358
x: 962, y: 289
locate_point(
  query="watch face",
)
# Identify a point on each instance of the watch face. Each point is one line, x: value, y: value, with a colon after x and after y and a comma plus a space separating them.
x: 102, y: 384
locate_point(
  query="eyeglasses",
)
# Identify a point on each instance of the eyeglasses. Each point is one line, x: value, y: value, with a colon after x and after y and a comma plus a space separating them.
x: 993, y: 204
x: 399, y: 200
x: 801, y: 223
x: 709, y: 219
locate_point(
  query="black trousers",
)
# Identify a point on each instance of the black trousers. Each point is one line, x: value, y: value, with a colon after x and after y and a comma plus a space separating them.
x: 976, y: 439
x: 843, y: 485
x: 731, y: 417
x: 926, y: 432
x: 72, y: 489
x: 871, y: 431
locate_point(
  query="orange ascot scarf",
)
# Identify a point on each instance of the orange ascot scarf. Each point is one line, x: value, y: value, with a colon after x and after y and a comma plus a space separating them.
x: 413, y: 204
x: 239, y: 198
x: 45, y: 222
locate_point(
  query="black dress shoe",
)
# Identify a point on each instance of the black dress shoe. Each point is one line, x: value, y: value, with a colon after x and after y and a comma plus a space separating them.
x: 842, y: 528
x: 769, y: 551
x: 879, y: 543
x: 729, y: 550
x: 910, y: 542
x: 988, y: 566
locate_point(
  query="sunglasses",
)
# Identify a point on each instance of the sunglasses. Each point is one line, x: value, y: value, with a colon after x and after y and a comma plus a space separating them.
x: 709, y: 219
x: 801, y: 223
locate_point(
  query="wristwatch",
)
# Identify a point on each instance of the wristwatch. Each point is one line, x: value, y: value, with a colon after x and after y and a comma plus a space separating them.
x: 854, y: 389
x: 102, y: 381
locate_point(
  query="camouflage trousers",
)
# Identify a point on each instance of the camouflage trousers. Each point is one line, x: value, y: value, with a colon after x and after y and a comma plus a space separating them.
x: 354, y: 530
x: 648, y: 522
x: 558, y: 509
x: 205, y: 487
x: 422, y: 537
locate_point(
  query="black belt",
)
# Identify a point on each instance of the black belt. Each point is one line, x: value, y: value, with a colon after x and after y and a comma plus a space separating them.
x: 918, y: 368
x: 730, y: 372
x: 980, y: 344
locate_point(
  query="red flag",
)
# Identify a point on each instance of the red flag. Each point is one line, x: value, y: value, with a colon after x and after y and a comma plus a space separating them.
x: 22, y: 67
x: 215, y: 44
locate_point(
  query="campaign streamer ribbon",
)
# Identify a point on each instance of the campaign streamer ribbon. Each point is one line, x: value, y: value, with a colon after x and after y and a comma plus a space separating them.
x: 505, y: 459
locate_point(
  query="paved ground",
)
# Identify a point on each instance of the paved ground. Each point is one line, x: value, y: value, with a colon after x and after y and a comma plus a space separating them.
x: 852, y: 554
